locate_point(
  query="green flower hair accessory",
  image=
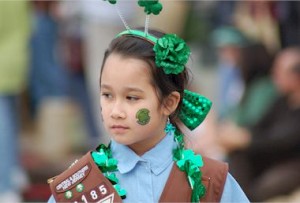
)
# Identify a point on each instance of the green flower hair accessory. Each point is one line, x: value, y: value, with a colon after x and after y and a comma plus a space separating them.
x: 151, y: 6
x: 171, y: 53
x: 194, y: 109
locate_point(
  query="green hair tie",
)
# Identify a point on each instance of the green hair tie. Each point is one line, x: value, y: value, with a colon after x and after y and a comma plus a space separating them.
x: 194, y: 109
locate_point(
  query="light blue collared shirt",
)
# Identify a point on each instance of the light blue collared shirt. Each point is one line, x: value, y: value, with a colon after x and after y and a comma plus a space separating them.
x: 144, y: 177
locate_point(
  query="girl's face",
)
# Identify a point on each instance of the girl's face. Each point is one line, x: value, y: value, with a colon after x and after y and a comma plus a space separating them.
x: 125, y: 90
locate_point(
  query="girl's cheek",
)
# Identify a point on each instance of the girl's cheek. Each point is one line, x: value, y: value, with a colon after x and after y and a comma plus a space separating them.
x: 104, y: 113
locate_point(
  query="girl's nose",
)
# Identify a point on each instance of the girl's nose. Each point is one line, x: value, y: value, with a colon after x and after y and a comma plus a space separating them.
x: 118, y: 112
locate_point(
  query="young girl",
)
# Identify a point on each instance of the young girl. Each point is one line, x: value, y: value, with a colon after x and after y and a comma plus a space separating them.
x: 143, y: 97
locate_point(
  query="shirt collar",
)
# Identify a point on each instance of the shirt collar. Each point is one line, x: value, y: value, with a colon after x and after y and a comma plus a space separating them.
x: 161, y: 155
x: 127, y: 159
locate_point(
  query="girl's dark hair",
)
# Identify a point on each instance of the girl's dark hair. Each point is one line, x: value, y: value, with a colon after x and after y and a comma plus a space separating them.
x: 139, y: 48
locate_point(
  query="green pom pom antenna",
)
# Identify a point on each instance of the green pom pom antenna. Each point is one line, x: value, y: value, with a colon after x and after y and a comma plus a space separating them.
x: 194, y: 109
x: 112, y: 1
x: 151, y: 6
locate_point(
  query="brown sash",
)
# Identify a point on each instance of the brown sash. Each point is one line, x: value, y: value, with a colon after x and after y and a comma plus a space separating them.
x: 83, y: 182
x: 214, y: 175
x: 96, y: 188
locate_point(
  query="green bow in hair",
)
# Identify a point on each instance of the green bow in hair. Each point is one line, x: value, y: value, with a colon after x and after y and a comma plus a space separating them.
x: 194, y: 109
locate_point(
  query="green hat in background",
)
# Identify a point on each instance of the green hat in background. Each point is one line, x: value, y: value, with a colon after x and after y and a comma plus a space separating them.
x: 228, y: 35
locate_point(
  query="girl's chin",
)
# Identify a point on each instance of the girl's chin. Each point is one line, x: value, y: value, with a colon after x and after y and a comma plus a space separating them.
x: 121, y: 140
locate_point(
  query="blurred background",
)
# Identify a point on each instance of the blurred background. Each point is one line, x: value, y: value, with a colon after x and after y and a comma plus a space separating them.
x: 245, y: 58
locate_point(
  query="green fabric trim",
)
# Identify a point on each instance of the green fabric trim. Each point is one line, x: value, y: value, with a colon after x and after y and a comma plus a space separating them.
x: 139, y: 33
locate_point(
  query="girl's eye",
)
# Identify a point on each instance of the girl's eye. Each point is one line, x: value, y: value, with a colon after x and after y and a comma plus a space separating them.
x: 132, y: 98
x: 106, y: 95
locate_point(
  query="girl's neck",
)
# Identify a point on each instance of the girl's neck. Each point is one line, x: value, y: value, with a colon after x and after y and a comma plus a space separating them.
x: 146, y: 145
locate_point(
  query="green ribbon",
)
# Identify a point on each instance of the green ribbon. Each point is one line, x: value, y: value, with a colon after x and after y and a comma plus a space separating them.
x: 112, y: 178
x: 103, y: 159
x: 188, y: 161
x: 121, y: 192
x: 194, y: 109
x: 104, y: 162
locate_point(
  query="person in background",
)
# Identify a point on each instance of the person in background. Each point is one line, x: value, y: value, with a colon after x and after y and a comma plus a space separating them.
x: 14, y: 38
x: 229, y: 43
x: 260, y: 91
x: 262, y: 18
x: 265, y: 158
x: 48, y: 77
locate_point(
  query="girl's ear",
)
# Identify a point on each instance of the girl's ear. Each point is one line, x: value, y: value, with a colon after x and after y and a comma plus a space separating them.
x: 171, y: 102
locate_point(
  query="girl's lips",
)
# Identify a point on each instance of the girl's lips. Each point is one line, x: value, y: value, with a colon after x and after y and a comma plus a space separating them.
x: 119, y: 129
x: 119, y: 126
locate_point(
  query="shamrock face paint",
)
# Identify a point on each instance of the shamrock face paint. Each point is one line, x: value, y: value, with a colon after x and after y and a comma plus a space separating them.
x: 143, y: 116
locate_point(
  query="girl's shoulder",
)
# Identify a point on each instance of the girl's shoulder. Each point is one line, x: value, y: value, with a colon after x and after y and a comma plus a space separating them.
x: 214, y: 175
x: 220, y: 186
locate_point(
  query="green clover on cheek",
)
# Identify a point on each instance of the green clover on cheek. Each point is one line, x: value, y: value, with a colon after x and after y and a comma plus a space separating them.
x: 143, y: 116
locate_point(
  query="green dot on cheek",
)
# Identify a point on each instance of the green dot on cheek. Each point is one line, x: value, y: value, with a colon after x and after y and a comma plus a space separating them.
x: 143, y: 116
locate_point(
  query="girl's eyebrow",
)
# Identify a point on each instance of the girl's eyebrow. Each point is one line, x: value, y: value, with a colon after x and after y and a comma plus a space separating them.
x: 134, y: 89
x: 129, y: 89
x: 104, y: 86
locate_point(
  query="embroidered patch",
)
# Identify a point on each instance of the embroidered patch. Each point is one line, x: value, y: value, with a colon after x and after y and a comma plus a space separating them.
x: 68, y: 194
x: 99, y: 194
x: 80, y: 187
x: 73, y: 179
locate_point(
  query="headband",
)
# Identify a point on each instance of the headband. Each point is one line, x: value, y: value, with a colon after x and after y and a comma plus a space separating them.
x: 138, y: 33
